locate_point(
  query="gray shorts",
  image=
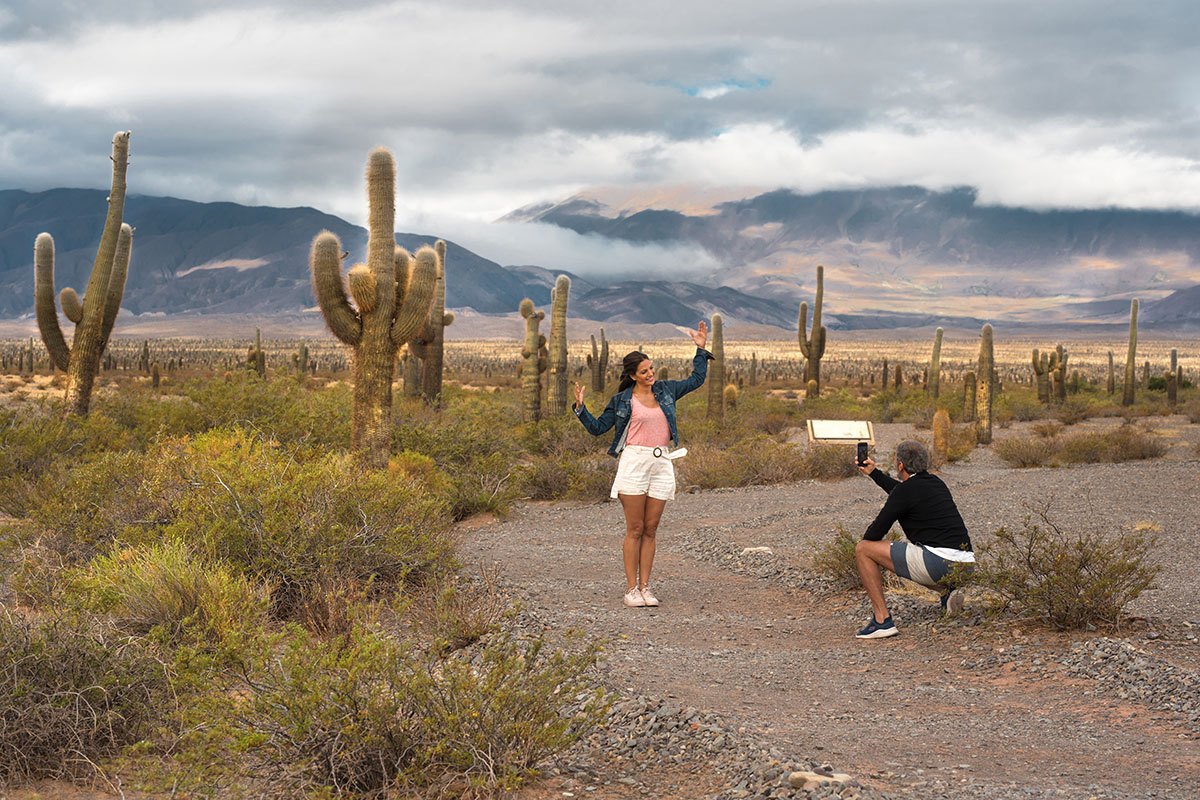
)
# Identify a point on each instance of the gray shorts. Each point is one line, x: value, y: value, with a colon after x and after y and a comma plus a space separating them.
x: 921, y: 566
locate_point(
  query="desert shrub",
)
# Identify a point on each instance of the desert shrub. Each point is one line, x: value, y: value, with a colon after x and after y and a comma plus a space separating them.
x: 1021, y: 409
x: 366, y: 715
x: 834, y: 558
x: 757, y: 461
x: 1126, y: 443
x: 836, y: 404
x: 1082, y: 579
x: 283, y: 521
x: 72, y: 693
x: 830, y: 462
x: 1026, y: 451
x: 546, y: 478
x: 34, y: 440
x: 1192, y: 409
x: 1048, y: 429
x: 165, y: 585
x: 1072, y: 410
x: 453, y: 612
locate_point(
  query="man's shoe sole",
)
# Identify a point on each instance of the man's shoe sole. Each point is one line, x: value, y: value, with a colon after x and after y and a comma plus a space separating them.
x: 954, y: 604
x: 882, y: 633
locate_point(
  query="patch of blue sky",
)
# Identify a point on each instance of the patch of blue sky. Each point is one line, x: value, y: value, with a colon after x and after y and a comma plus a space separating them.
x: 715, y: 89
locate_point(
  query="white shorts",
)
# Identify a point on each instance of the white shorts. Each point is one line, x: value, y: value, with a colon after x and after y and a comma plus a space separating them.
x: 641, y: 472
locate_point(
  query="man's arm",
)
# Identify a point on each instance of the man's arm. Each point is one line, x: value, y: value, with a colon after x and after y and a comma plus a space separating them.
x: 892, y: 508
x: 883, y: 480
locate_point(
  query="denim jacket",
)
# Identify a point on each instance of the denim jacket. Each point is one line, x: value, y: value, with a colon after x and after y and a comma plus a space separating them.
x: 617, y: 412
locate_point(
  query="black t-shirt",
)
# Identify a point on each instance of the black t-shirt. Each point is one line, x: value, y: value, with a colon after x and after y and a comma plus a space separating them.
x: 925, y: 510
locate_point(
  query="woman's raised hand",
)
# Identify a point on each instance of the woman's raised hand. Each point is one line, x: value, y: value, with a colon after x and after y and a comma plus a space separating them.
x: 700, y: 335
x: 578, y: 395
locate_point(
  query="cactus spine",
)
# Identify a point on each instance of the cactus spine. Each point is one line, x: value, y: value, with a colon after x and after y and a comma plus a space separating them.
x: 556, y: 395
x: 985, y: 388
x: 533, y: 362
x: 392, y: 295
x: 598, y: 363
x: 716, y: 369
x: 813, y: 345
x: 935, y: 365
x: 1041, y: 369
x: 94, y: 317
x: 433, y: 334
x: 1131, y: 357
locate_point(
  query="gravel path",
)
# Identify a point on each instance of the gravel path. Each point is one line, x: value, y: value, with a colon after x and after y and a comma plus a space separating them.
x: 750, y: 670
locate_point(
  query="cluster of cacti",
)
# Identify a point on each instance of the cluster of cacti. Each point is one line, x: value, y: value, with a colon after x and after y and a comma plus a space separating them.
x: 1131, y: 356
x: 534, y: 356
x: 256, y: 357
x: 985, y: 388
x: 813, y: 345
x: 392, y: 295
x: 598, y: 363
x: 556, y: 394
x: 933, y: 377
x: 716, y: 368
x: 95, y: 315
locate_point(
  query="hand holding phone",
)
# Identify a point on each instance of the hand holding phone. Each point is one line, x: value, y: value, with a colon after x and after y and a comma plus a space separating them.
x: 863, y: 454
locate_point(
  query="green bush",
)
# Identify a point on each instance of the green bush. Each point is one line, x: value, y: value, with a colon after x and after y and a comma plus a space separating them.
x: 1082, y: 579
x: 834, y: 559
x: 367, y: 716
x: 1027, y: 451
x: 72, y: 693
x: 164, y: 585
x: 1126, y: 443
x: 282, y: 521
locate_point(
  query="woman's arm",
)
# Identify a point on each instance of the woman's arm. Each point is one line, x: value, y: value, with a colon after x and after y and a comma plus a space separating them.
x: 596, y: 426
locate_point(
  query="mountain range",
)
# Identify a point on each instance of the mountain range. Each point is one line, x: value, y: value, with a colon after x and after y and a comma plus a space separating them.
x: 895, y: 258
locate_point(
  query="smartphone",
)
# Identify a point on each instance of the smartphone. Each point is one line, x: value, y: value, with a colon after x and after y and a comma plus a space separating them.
x: 862, y: 453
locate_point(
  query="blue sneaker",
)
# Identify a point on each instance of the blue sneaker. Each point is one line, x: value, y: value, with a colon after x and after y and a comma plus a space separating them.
x: 878, y: 630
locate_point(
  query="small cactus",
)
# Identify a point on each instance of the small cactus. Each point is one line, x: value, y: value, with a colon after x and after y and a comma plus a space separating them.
x: 813, y: 345
x: 1173, y: 380
x: 556, y: 395
x: 941, y: 435
x: 155, y: 375
x: 716, y: 370
x: 985, y: 388
x: 1041, y: 371
x: 1131, y: 357
x: 899, y: 378
x: 432, y: 338
x: 1058, y: 369
x: 969, y: 392
x: 1112, y: 378
x: 731, y: 397
x: 753, y: 369
x: 884, y: 382
x: 933, y: 379
x: 598, y: 363
x: 533, y: 362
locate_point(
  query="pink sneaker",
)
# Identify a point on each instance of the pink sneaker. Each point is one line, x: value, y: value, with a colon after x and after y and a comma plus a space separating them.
x: 634, y: 599
x: 649, y: 597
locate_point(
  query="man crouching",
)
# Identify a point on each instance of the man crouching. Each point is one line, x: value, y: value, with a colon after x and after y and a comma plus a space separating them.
x: 937, y: 537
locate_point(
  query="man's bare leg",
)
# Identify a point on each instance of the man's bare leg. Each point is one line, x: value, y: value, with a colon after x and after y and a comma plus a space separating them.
x: 870, y: 558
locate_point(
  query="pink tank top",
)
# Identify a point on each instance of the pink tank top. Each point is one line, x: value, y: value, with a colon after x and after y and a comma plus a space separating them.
x: 647, y: 426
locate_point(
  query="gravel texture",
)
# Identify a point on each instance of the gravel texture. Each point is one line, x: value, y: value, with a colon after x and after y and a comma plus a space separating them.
x: 750, y: 671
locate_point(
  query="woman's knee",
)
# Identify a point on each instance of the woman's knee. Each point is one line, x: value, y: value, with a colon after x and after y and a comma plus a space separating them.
x: 634, y: 529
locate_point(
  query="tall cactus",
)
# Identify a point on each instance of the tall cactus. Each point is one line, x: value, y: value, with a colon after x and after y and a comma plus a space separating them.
x: 941, y: 435
x: 1172, y: 377
x: 1131, y: 357
x: 753, y: 379
x: 533, y: 362
x: 598, y: 363
x: 1041, y: 371
x: 985, y: 387
x: 813, y: 345
x: 256, y: 358
x: 392, y: 295
x: 556, y: 394
x: 884, y: 382
x: 933, y: 379
x: 434, y: 334
x: 969, y: 385
x: 95, y: 315
x: 716, y: 370
x: 1112, y: 378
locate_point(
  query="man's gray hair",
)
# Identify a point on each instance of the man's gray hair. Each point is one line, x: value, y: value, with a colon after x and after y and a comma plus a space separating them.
x: 913, y: 456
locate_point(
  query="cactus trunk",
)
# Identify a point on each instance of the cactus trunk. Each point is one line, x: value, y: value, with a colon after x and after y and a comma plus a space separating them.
x: 941, y: 435
x: 985, y: 388
x: 1041, y: 371
x: 813, y: 345
x: 716, y: 369
x: 1131, y: 357
x: 533, y: 362
x: 1112, y: 378
x: 556, y: 395
x: 933, y: 379
x: 433, y: 358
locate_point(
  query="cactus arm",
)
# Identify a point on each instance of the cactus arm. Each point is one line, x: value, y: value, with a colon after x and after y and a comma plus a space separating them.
x: 72, y: 308
x: 326, y: 263
x: 102, y: 268
x: 802, y: 332
x: 414, y: 310
x: 448, y: 319
x: 116, y: 283
x: 381, y: 225
x: 47, y: 313
x: 363, y: 288
x: 819, y: 341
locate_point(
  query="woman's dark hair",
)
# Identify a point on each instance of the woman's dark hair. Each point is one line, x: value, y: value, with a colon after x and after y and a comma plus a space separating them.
x: 629, y: 365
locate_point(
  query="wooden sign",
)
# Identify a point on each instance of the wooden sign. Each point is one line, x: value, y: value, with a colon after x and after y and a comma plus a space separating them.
x: 840, y: 430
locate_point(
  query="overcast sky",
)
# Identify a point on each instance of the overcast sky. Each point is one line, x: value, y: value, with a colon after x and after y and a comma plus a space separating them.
x: 492, y: 106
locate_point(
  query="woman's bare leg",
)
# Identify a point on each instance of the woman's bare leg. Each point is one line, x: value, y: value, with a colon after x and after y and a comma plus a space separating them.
x: 650, y: 519
x: 634, y: 506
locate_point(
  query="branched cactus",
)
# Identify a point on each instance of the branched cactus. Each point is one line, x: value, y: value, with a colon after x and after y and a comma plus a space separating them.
x: 1131, y: 357
x: 533, y: 362
x: 716, y: 369
x: 598, y: 363
x: 1041, y: 369
x: 1058, y: 371
x: 933, y: 378
x: 392, y: 294
x: 985, y: 388
x: 433, y: 334
x: 95, y: 315
x: 556, y: 394
x: 813, y: 345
